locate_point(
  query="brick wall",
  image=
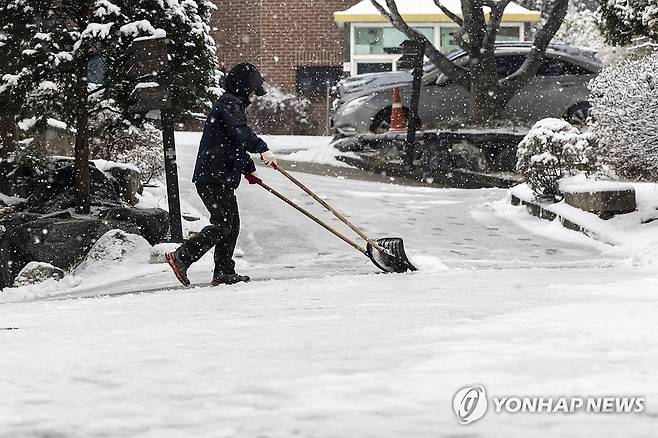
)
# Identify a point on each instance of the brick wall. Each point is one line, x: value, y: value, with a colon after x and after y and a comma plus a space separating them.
x: 301, y: 33
x: 278, y: 36
x: 237, y: 31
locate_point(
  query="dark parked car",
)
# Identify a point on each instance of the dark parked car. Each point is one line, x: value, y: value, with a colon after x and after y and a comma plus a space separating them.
x: 363, y: 102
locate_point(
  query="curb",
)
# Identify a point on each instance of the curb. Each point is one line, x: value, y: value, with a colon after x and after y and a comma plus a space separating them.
x: 541, y: 212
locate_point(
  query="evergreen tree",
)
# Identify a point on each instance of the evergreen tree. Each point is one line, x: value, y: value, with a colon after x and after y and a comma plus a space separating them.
x: 55, y: 44
x: 622, y: 20
x: 24, y: 46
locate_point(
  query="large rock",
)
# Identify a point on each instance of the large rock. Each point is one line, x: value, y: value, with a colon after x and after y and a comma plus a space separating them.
x: 37, y: 272
x: 114, y: 248
x: 17, y: 179
x: 54, y: 191
x: 12, y: 259
x: 151, y: 223
x: 62, y: 242
x: 127, y: 179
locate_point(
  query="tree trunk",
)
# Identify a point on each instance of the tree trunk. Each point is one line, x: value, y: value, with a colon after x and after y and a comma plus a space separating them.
x: 486, y: 100
x: 8, y: 134
x: 82, y: 185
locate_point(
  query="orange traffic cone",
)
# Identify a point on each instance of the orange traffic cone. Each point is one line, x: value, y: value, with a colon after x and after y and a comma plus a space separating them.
x: 398, y: 118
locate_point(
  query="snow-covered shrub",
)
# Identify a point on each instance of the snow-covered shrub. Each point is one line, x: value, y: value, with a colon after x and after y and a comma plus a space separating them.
x: 625, y: 117
x: 552, y: 150
x: 31, y: 153
x: 281, y: 113
x: 117, y: 139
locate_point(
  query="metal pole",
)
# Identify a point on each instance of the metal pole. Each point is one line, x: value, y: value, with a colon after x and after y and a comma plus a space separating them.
x: 412, y: 125
x: 328, y: 110
x: 171, y: 172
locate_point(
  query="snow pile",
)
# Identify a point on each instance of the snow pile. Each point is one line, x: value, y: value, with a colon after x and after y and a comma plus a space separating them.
x: 625, y: 117
x: 105, y: 165
x: 551, y: 150
x: 325, y: 154
x: 158, y: 252
x: 114, y: 249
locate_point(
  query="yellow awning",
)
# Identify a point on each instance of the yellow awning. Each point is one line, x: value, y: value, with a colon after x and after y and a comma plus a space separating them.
x: 426, y: 11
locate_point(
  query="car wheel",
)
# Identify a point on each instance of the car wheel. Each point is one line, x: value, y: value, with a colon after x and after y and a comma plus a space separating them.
x: 382, y: 121
x: 579, y: 113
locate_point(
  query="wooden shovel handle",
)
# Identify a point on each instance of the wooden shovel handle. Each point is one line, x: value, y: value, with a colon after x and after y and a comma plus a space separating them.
x: 322, y: 202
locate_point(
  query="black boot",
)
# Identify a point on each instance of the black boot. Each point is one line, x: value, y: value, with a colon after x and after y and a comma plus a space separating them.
x: 219, y: 279
x: 179, y: 268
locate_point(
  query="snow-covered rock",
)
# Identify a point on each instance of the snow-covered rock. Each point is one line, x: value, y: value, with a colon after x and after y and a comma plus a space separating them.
x: 113, y: 248
x: 38, y: 272
x: 158, y: 252
x: 127, y: 179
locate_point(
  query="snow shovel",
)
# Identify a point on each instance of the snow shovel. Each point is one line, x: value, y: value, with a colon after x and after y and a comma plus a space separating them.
x: 386, y: 253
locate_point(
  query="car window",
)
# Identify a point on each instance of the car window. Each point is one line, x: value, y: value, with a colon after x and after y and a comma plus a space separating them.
x: 558, y: 67
x: 573, y: 69
x: 551, y: 67
x: 508, y: 64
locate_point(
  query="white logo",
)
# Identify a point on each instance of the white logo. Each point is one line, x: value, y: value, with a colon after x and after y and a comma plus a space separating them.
x: 470, y: 404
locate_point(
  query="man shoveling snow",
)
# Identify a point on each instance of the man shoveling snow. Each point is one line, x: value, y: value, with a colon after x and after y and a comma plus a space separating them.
x: 222, y: 160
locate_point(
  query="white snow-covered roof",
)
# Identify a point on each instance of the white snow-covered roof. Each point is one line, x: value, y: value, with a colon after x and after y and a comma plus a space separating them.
x: 424, y: 11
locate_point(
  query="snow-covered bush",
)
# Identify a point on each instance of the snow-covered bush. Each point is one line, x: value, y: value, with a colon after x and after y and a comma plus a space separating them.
x: 625, y: 117
x: 116, y: 138
x: 31, y: 153
x: 145, y: 152
x: 281, y: 113
x: 552, y: 150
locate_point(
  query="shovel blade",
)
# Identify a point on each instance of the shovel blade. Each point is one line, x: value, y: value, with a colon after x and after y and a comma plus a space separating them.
x: 393, y: 258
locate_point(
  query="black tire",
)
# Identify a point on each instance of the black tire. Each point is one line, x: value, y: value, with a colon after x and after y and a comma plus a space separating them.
x: 382, y: 121
x: 578, y: 114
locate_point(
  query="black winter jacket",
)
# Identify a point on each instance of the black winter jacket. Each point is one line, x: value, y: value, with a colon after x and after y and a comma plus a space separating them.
x: 223, y: 157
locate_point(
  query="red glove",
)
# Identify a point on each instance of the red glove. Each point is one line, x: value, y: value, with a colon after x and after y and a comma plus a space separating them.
x: 253, y: 179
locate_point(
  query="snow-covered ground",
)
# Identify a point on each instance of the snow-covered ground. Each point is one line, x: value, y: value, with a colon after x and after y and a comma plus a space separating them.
x: 323, y: 346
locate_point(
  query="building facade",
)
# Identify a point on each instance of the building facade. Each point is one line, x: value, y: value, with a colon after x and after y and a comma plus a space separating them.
x: 295, y: 43
x: 371, y: 37
x: 306, y: 46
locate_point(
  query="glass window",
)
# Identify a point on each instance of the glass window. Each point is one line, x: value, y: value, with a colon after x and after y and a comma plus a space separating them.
x: 373, y: 67
x: 508, y: 64
x: 556, y: 67
x: 448, y: 44
x: 373, y: 40
x: 551, y: 67
x: 509, y: 34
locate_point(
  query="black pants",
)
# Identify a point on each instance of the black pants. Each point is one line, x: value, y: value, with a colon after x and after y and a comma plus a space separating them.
x: 222, y: 233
